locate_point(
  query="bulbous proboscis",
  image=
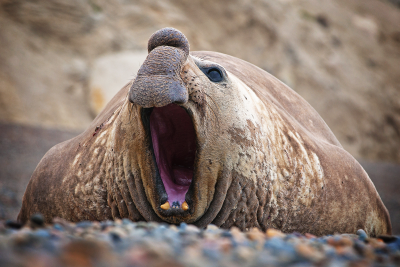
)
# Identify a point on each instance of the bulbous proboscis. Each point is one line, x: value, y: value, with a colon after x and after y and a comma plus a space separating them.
x: 158, y: 82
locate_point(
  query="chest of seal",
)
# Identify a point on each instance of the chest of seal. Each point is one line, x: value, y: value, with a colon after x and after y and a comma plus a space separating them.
x: 203, y: 138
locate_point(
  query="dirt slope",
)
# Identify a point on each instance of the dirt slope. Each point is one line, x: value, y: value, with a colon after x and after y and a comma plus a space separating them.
x: 341, y: 56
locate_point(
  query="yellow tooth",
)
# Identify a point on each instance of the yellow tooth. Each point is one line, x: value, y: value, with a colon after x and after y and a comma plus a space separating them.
x: 185, y: 206
x: 165, y: 206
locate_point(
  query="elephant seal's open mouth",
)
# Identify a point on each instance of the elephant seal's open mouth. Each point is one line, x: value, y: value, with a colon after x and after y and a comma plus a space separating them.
x: 173, y: 142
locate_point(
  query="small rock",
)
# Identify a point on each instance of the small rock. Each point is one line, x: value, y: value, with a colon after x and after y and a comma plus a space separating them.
x: 345, y: 251
x: 183, y: 226
x: 115, y: 237
x: 322, y: 20
x: 376, y: 243
x: 211, y: 253
x: 388, y: 238
x: 297, y: 234
x: 225, y: 245
x: 37, y: 220
x: 255, y: 234
x: 152, y: 225
x: 58, y: 227
x: 84, y: 224
x: 275, y: 243
x: 96, y: 226
x: 362, y: 235
x: 226, y: 233
x: 106, y: 224
x: 126, y: 221
x: 173, y: 228
x: 192, y: 228
x: 245, y: 253
x: 367, y: 26
x: 142, y: 225
x: 345, y: 241
x: 42, y: 233
x: 13, y: 224
x: 237, y: 235
x: 309, y: 236
x: 339, y: 241
x: 64, y: 223
x: 359, y: 247
x: 212, y: 227
x: 309, y: 252
x: 274, y: 233
x: 192, y: 252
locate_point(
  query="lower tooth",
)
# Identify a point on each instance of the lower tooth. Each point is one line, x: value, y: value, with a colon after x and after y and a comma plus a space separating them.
x: 185, y: 206
x: 165, y: 206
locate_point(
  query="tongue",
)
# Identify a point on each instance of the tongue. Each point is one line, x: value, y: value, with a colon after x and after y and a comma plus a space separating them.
x: 182, y: 176
x: 174, y: 144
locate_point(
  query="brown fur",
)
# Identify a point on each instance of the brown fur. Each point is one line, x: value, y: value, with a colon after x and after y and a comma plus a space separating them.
x: 265, y: 157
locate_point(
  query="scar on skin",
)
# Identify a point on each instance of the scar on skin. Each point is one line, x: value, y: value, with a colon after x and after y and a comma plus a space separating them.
x: 76, y: 159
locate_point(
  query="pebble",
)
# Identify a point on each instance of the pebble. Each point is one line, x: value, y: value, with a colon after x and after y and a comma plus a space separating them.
x: 84, y: 224
x: 126, y: 243
x: 309, y: 236
x: 37, y: 220
x: 255, y: 234
x: 13, y: 224
x: 274, y: 233
x: 309, y: 252
x: 362, y: 235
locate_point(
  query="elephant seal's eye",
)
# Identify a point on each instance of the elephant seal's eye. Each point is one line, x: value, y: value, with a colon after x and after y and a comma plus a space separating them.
x: 214, y: 75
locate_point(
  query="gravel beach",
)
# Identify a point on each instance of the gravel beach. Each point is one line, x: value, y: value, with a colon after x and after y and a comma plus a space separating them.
x: 127, y: 243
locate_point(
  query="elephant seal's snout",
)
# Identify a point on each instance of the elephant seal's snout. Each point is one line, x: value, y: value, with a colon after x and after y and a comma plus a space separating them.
x: 158, y: 82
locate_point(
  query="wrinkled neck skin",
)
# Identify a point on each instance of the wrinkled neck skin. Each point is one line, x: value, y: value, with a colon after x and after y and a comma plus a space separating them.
x: 247, y: 172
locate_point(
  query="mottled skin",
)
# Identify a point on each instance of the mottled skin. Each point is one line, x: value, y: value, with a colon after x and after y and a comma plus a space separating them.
x: 265, y: 158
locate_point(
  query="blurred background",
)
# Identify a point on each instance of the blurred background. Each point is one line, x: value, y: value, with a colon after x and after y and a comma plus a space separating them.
x: 61, y: 61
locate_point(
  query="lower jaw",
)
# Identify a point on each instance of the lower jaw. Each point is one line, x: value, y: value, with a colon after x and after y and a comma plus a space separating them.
x: 177, y: 202
x: 176, y: 188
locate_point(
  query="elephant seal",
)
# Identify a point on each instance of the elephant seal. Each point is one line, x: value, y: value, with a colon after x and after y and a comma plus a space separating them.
x: 204, y: 138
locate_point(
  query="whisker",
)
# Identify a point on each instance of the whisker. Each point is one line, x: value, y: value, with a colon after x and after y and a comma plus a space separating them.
x: 130, y: 111
x: 215, y: 116
x: 212, y: 100
x: 207, y: 95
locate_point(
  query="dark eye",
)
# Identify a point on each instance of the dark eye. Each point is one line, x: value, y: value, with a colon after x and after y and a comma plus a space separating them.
x: 214, y: 75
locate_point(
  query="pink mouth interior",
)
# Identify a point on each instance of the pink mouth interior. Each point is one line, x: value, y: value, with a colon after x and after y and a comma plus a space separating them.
x: 174, y: 145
